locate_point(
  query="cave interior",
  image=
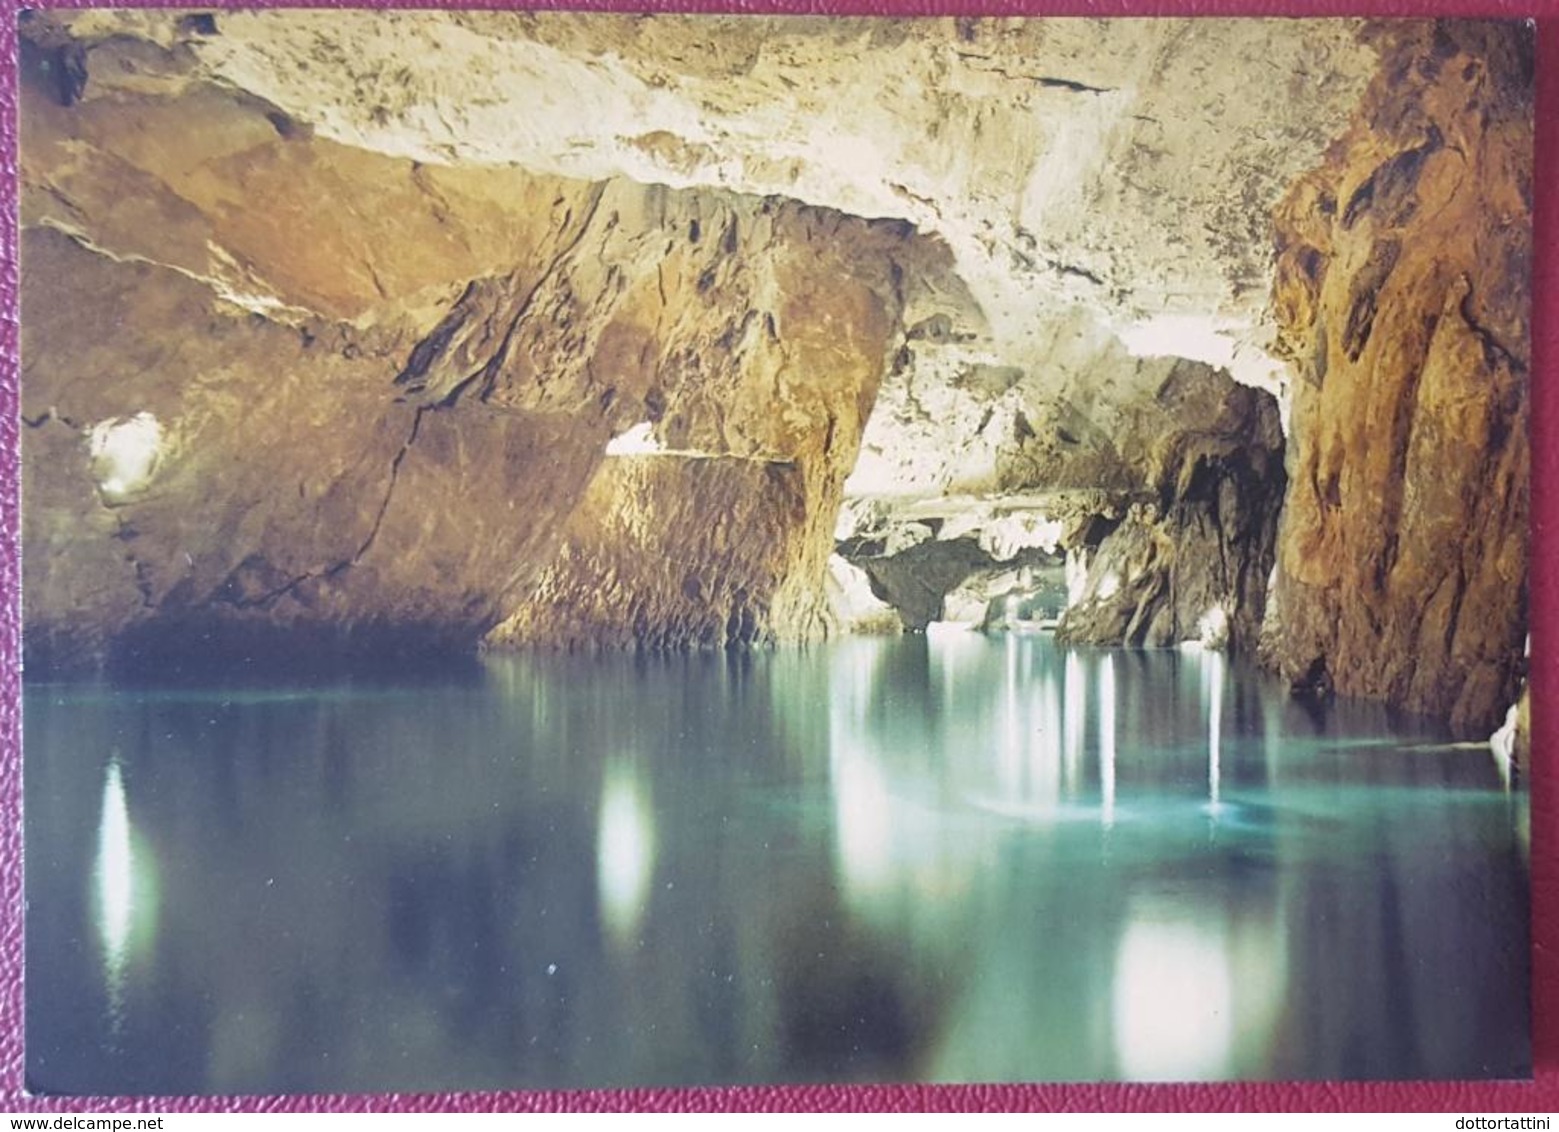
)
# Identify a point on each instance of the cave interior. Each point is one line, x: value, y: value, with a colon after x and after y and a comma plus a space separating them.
x: 412, y: 334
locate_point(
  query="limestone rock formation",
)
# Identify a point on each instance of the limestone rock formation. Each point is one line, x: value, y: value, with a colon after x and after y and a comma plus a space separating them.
x: 668, y: 552
x: 349, y: 447
x: 1058, y: 160
x: 917, y: 581
x: 1193, y: 562
x: 957, y: 126
x: 1403, y: 300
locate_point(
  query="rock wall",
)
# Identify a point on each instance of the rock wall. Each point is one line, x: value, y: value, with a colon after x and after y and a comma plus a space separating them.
x: 258, y: 425
x: 917, y: 581
x: 1403, y: 298
x: 1192, y: 562
x: 669, y: 552
x: 749, y: 351
x: 288, y: 486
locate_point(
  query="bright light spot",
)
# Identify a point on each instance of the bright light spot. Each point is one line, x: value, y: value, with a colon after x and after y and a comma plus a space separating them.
x: 124, y: 452
x: 1107, y: 740
x: 1110, y: 586
x: 113, y: 875
x: 1076, y: 577
x: 1212, y: 693
x: 1503, y: 743
x: 1076, y: 711
x: 637, y: 441
x: 1212, y: 631
x: 1003, y: 538
x: 1191, y: 336
x: 862, y: 802
x: 124, y: 892
x: 1173, y: 1000
x: 625, y: 853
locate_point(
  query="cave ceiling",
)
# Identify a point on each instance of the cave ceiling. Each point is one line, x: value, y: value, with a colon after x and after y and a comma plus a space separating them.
x: 1102, y: 188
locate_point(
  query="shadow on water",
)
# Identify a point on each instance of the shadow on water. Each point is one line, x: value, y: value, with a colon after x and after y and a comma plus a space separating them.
x: 955, y: 858
x: 240, y: 655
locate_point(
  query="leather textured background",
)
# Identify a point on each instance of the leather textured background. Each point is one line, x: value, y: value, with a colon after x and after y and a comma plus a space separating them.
x: 1542, y: 1094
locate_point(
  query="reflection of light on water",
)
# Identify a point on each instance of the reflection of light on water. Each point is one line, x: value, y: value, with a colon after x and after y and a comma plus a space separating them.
x: 1107, y: 739
x: 114, y: 875
x: 1044, y: 786
x: 625, y: 852
x: 1212, y: 698
x: 124, y: 890
x: 1028, y: 749
x: 863, y: 848
x: 889, y: 845
x: 955, y: 651
x: 1009, y: 767
x: 893, y: 850
x: 861, y: 805
x: 1173, y: 999
x: 1076, y: 696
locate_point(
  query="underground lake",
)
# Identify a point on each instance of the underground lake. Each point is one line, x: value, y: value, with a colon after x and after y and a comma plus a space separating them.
x: 584, y: 549
x: 951, y: 857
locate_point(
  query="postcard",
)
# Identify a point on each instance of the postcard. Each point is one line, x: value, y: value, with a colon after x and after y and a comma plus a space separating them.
x: 573, y: 550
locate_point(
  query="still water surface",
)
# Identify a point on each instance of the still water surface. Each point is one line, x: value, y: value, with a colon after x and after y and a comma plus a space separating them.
x: 947, y: 859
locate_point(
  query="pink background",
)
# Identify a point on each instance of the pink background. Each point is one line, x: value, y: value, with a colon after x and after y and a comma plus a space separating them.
x: 1461, y: 1097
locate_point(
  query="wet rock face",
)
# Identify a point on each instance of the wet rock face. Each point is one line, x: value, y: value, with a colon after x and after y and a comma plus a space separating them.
x: 669, y: 552
x: 1403, y: 300
x: 1192, y: 562
x: 241, y: 444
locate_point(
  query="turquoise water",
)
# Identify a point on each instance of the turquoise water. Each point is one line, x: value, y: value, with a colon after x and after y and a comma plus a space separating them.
x: 950, y: 858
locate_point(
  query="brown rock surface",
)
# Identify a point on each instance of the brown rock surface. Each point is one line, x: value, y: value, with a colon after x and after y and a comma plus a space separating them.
x: 672, y: 552
x: 291, y: 488
x: 1193, y: 561
x: 1403, y: 296
x: 358, y: 447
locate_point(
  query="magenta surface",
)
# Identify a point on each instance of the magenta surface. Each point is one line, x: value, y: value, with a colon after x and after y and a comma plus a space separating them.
x: 1542, y: 1094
